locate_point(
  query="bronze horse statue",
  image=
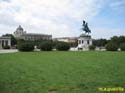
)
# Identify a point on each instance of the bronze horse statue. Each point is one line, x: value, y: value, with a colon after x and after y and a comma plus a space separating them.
x: 86, y: 28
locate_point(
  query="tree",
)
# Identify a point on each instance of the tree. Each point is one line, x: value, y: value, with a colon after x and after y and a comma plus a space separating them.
x: 114, y: 39
x: 112, y: 46
x: 100, y: 42
x: 74, y: 44
x: 122, y: 46
x: 25, y: 46
x: 46, y: 46
x: 118, y: 40
x: 63, y: 46
x: 92, y: 47
x: 13, y: 39
x: 121, y: 39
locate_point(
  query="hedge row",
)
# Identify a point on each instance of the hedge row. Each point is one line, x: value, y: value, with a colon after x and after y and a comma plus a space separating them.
x: 114, y: 47
x: 6, y: 47
x: 62, y: 46
x: 44, y: 46
x: 25, y: 47
x: 111, y: 47
x: 92, y: 47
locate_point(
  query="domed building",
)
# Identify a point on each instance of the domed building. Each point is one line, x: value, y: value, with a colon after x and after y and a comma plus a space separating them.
x: 20, y: 28
x: 21, y: 34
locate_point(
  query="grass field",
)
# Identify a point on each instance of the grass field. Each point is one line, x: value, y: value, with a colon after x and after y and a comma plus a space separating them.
x: 61, y: 72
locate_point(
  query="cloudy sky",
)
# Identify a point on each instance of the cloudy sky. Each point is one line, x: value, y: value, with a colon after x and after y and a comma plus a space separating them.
x: 63, y: 18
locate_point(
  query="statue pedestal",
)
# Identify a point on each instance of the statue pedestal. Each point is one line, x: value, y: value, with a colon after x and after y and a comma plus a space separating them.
x: 84, y: 41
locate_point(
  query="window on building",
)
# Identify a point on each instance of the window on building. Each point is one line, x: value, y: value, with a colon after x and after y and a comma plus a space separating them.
x: 88, y: 42
x: 79, y: 41
x: 2, y: 43
x: 6, y: 43
x: 82, y: 41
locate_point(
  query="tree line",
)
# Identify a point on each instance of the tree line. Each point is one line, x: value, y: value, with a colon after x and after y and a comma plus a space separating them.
x: 112, y: 44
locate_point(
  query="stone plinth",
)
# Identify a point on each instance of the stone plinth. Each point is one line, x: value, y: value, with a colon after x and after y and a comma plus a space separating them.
x: 84, y: 41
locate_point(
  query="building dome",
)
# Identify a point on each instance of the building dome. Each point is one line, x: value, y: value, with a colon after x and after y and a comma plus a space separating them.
x: 19, y: 28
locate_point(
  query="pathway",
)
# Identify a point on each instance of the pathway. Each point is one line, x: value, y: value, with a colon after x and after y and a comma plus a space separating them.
x: 8, y: 51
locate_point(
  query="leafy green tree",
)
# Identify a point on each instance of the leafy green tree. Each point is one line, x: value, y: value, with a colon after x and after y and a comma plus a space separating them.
x: 46, y: 46
x: 74, y: 44
x: 111, y: 47
x: 63, y: 46
x: 25, y: 46
x: 100, y: 42
x: 118, y: 40
x: 92, y: 47
x: 122, y: 46
x: 114, y: 39
x: 121, y: 39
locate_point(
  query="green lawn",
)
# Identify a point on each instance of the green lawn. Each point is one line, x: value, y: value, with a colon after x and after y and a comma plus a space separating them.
x: 61, y: 72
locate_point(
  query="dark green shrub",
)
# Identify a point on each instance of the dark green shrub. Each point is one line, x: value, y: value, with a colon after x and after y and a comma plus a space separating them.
x: 6, y: 47
x: 122, y: 46
x: 63, y: 46
x: 54, y: 43
x: 92, y: 47
x: 46, y: 46
x: 111, y: 47
x: 25, y: 47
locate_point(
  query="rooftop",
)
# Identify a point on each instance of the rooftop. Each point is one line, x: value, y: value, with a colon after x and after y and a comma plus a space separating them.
x: 36, y: 34
x: 19, y: 28
x: 5, y: 37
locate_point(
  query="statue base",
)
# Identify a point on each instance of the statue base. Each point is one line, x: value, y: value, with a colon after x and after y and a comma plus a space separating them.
x: 84, y: 41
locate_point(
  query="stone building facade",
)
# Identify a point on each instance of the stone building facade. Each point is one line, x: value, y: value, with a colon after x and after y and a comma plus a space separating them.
x: 21, y: 34
x: 66, y: 39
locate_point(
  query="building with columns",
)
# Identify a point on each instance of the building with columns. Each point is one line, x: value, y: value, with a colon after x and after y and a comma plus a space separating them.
x: 5, y: 41
x: 66, y: 39
x: 21, y: 34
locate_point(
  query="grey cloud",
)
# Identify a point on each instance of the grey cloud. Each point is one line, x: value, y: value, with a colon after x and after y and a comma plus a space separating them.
x: 4, y: 0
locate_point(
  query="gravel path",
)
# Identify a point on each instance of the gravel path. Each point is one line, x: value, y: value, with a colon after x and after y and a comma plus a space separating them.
x: 8, y: 51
